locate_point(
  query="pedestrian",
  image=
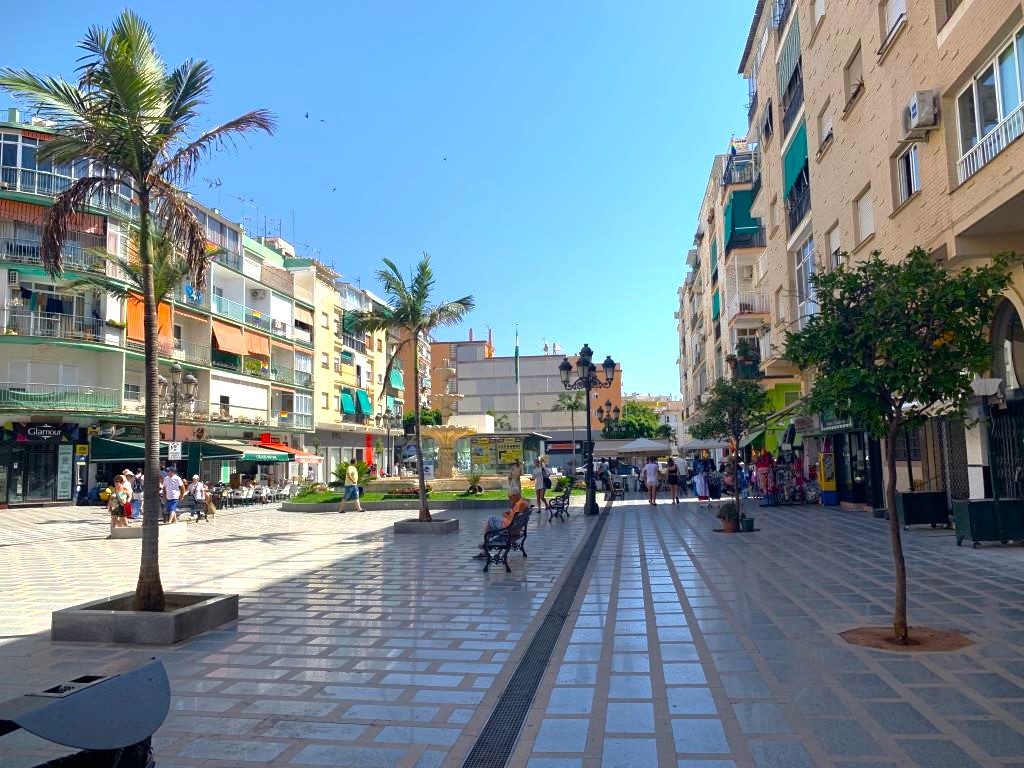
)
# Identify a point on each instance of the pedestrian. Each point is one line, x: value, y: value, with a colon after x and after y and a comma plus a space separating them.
x: 197, y: 492
x: 651, y: 471
x: 515, y: 473
x: 118, y: 502
x: 351, y: 488
x: 172, y: 487
x: 605, y: 474
x: 672, y: 476
x: 137, y: 494
x: 540, y: 479
x: 700, y: 480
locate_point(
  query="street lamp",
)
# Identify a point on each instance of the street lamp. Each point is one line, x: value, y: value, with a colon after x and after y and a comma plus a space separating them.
x: 181, y: 390
x: 389, y: 421
x: 588, y: 379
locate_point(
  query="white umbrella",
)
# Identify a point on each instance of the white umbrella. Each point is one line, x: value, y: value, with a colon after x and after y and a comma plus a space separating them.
x: 702, y: 445
x: 644, y: 446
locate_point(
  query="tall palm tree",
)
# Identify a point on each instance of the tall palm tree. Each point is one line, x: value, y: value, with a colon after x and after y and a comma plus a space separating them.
x: 411, y: 310
x: 134, y: 121
x: 570, y: 402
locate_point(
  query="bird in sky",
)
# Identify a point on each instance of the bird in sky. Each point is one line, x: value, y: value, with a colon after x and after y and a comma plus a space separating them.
x: 307, y: 115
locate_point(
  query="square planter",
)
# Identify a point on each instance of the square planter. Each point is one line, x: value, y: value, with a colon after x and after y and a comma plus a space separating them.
x: 437, y: 525
x: 922, y: 508
x: 168, y: 532
x: 111, y: 620
x: 989, y: 520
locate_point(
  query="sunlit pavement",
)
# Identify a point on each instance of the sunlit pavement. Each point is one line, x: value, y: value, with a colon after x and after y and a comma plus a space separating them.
x: 685, y: 648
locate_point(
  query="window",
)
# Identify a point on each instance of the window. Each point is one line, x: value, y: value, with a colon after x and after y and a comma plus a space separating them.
x: 853, y: 79
x: 992, y: 95
x: 325, y: 320
x: 325, y: 361
x: 864, y: 216
x: 380, y: 346
x: 824, y: 125
x: 767, y: 122
x: 380, y: 378
x: 835, y: 248
x: 325, y: 400
x: 132, y: 392
x: 909, y: 176
x: 913, y: 438
x: 807, y: 304
x: 818, y: 6
x: 894, y: 13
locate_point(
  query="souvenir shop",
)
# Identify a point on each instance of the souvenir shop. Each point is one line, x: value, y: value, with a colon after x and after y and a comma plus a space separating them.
x: 854, y: 460
x: 785, y: 472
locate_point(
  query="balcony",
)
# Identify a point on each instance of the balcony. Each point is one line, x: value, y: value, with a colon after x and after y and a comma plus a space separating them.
x: 52, y: 325
x: 256, y: 366
x: 291, y: 419
x: 739, y: 169
x: 281, y: 328
x: 781, y: 12
x: 303, y: 379
x: 792, y: 101
x: 303, y: 335
x: 227, y: 308
x: 746, y: 237
x: 226, y: 361
x: 752, y: 108
x: 192, y: 297
x: 20, y: 396
x: 747, y: 303
x: 237, y: 414
x: 229, y: 259
x: 51, y: 185
x: 258, y: 319
x: 282, y: 373
x: 985, y: 151
x: 76, y: 258
x: 798, y: 205
x: 764, y: 346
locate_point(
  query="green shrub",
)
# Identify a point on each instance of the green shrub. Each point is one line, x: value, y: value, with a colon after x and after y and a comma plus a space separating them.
x: 728, y: 512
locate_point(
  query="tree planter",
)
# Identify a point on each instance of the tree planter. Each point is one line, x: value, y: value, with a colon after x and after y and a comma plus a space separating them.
x: 168, y: 532
x: 989, y: 520
x: 922, y: 508
x: 437, y: 525
x: 730, y: 526
x: 111, y: 620
x: 747, y: 525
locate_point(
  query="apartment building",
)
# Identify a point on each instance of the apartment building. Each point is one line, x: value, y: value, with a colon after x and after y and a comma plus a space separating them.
x: 417, y: 352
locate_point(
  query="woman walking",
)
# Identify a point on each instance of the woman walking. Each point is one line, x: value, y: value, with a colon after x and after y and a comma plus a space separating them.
x: 515, y: 485
x: 672, y: 476
x: 539, y: 485
x: 651, y: 471
x: 118, y: 502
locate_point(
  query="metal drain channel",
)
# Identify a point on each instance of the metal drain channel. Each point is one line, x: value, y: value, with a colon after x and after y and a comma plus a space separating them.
x: 498, y: 737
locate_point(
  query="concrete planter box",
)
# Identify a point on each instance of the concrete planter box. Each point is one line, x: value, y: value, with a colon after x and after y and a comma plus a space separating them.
x: 111, y: 620
x: 333, y: 506
x: 168, y: 532
x: 393, y: 505
x: 437, y: 525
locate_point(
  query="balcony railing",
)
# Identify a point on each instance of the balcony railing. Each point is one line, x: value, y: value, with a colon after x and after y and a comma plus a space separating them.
x: 226, y: 361
x: 303, y: 379
x: 227, y: 308
x: 752, y: 107
x: 747, y: 303
x: 76, y: 258
x: 797, y: 207
x: 739, y: 169
x: 52, y: 325
x: 282, y: 373
x: 229, y: 259
x: 792, y: 101
x: 51, y: 185
x: 291, y: 419
x: 238, y: 414
x: 258, y: 319
x: 302, y: 335
x: 353, y: 343
x: 57, y: 397
x: 750, y: 237
x: 281, y: 328
x: 781, y: 12
x: 1009, y: 130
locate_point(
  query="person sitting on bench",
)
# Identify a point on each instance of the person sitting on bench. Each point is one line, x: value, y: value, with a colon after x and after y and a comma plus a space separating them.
x: 495, y: 523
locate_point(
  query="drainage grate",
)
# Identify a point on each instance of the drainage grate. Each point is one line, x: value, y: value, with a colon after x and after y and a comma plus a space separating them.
x: 498, y: 737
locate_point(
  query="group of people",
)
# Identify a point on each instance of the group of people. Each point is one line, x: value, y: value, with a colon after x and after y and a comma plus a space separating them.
x: 125, y: 495
x: 541, y: 476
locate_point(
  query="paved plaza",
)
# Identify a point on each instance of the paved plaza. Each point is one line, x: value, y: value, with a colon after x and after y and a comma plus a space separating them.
x: 685, y: 647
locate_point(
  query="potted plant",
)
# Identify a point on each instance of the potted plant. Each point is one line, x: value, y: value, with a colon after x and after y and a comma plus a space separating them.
x: 729, y: 514
x: 474, y: 483
x: 746, y: 523
x: 116, y: 324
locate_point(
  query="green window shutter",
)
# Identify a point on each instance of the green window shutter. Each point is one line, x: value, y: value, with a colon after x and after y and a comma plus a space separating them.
x: 363, y: 401
x: 396, y: 379
x: 348, y: 358
x: 389, y: 403
x: 795, y: 158
x: 789, y: 56
x: 714, y: 255
x: 347, y: 403
x: 728, y: 220
x: 715, y: 308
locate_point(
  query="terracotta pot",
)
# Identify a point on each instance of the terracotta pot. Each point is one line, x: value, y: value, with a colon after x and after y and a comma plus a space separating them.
x: 730, y: 526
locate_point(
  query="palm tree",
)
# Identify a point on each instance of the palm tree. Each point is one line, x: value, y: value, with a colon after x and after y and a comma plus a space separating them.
x: 411, y: 311
x: 571, y: 402
x: 501, y: 423
x: 133, y: 121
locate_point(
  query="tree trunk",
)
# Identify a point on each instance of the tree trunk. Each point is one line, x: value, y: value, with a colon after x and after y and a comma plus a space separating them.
x: 149, y: 592
x: 899, y: 616
x: 424, y: 510
x: 736, y: 475
x: 572, y: 425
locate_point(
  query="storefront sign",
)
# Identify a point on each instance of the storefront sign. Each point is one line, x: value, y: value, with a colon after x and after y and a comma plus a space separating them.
x: 174, y: 451
x: 509, y: 449
x: 481, y: 453
x: 831, y: 423
x: 81, y: 450
x: 65, y: 467
x: 30, y: 432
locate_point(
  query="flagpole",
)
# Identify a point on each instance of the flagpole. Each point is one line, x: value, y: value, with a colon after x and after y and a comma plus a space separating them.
x: 519, y: 388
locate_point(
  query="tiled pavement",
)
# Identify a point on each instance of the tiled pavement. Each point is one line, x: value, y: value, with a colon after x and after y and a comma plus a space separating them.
x: 686, y: 647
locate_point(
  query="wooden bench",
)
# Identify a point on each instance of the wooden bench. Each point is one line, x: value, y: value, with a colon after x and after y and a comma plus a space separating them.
x: 498, y: 543
x: 559, y: 505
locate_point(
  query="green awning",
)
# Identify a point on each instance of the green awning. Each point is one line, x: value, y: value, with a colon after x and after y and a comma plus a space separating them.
x: 347, y: 403
x: 107, y: 450
x: 737, y: 215
x: 754, y: 439
x: 363, y: 401
x: 796, y: 158
x: 396, y: 379
x: 247, y: 452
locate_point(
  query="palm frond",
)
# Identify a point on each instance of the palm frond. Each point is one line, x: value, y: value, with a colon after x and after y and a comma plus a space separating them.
x: 179, y: 225
x: 393, y: 282
x: 422, y: 282
x: 107, y: 285
x: 187, y: 87
x: 181, y: 166
x: 59, y: 215
x: 51, y: 98
x: 449, y: 313
x: 391, y: 364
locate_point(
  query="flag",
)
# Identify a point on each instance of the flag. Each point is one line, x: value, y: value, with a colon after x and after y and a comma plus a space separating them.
x: 517, y: 356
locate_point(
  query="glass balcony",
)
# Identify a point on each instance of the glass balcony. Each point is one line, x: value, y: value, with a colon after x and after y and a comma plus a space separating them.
x: 51, y: 185
x: 258, y: 319
x: 282, y: 373
x: 281, y: 328
x: 226, y: 361
x: 303, y: 379
x: 76, y: 258
x: 52, y: 325
x: 227, y: 308
x: 57, y: 397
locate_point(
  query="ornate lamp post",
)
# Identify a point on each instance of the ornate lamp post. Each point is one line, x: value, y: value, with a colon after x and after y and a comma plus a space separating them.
x: 389, y: 421
x: 607, y: 415
x: 181, y: 390
x: 586, y: 378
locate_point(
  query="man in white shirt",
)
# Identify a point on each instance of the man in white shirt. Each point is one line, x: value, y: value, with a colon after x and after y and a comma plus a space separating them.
x: 651, y: 471
x: 171, y: 487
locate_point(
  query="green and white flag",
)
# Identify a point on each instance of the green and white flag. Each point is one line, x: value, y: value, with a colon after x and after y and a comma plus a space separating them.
x: 517, y: 355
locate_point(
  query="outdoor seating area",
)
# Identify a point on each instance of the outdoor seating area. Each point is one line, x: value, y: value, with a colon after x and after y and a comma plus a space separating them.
x: 248, y: 495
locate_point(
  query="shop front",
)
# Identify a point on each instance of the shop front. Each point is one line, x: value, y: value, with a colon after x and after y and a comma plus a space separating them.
x: 41, y: 462
x: 857, y: 459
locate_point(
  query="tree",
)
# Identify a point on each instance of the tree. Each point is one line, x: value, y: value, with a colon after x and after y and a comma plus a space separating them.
x: 570, y: 402
x: 411, y: 311
x: 501, y: 422
x: 427, y: 417
x: 664, y: 432
x: 634, y: 421
x: 133, y: 121
x: 734, y: 406
x: 893, y: 344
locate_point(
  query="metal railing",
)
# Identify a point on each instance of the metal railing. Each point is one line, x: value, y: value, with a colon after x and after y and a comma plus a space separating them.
x: 227, y: 308
x: 53, y: 325
x: 353, y: 343
x: 280, y: 328
x: 256, y: 366
x: 22, y: 251
x: 797, y: 207
x: 238, y: 414
x: 229, y: 259
x: 257, y: 318
x: 749, y: 237
x: 226, y: 361
x: 747, y: 303
x: 999, y: 138
x: 57, y: 397
x: 303, y: 379
x: 752, y: 107
x: 282, y: 373
x: 739, y: 169
x: 51, y: 185
x: 792, y: 101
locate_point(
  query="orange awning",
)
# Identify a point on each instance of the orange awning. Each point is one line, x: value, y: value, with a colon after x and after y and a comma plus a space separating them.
x: 136, y: 320
x: 257, y: 345
x: 286, y: 347
x: 303, y: 315
x: 300, y: 456
x: 163, y: 321
x: 228, y: 338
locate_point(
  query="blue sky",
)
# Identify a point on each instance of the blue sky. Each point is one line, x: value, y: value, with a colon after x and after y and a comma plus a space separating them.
x: 550, y: 157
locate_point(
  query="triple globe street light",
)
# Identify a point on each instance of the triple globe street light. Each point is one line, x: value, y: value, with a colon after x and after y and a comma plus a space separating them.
x: 389, y: 421
x: 182, y: 389
x: 587, y: 379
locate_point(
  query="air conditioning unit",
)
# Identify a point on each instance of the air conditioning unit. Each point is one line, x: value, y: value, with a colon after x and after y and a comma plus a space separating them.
x: 12, y: 277
x: 921, y: 115
x: 747, y: 272
x: 258, y: 293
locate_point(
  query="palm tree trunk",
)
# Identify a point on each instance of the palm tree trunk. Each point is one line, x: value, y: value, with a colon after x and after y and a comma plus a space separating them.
x: 424, y: 510
x: 572, y: 426
x: 901, y: 631
x: 149, y: 592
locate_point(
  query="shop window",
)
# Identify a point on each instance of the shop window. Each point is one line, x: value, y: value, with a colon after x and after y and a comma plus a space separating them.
x: 914, y: 438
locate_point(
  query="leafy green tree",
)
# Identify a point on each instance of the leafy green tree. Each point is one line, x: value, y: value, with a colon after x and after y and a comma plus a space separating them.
x: 664, y: 432
x: 412, y: 310
x: 129, y: 115
x: 501, y: 421
x: 734, y: 406
x: 428, y: 418
x: 570, y: 402
x: 635, y: 420
x: 893, y: 344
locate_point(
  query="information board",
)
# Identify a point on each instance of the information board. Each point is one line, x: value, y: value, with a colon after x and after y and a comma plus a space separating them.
x: 65, y: 467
